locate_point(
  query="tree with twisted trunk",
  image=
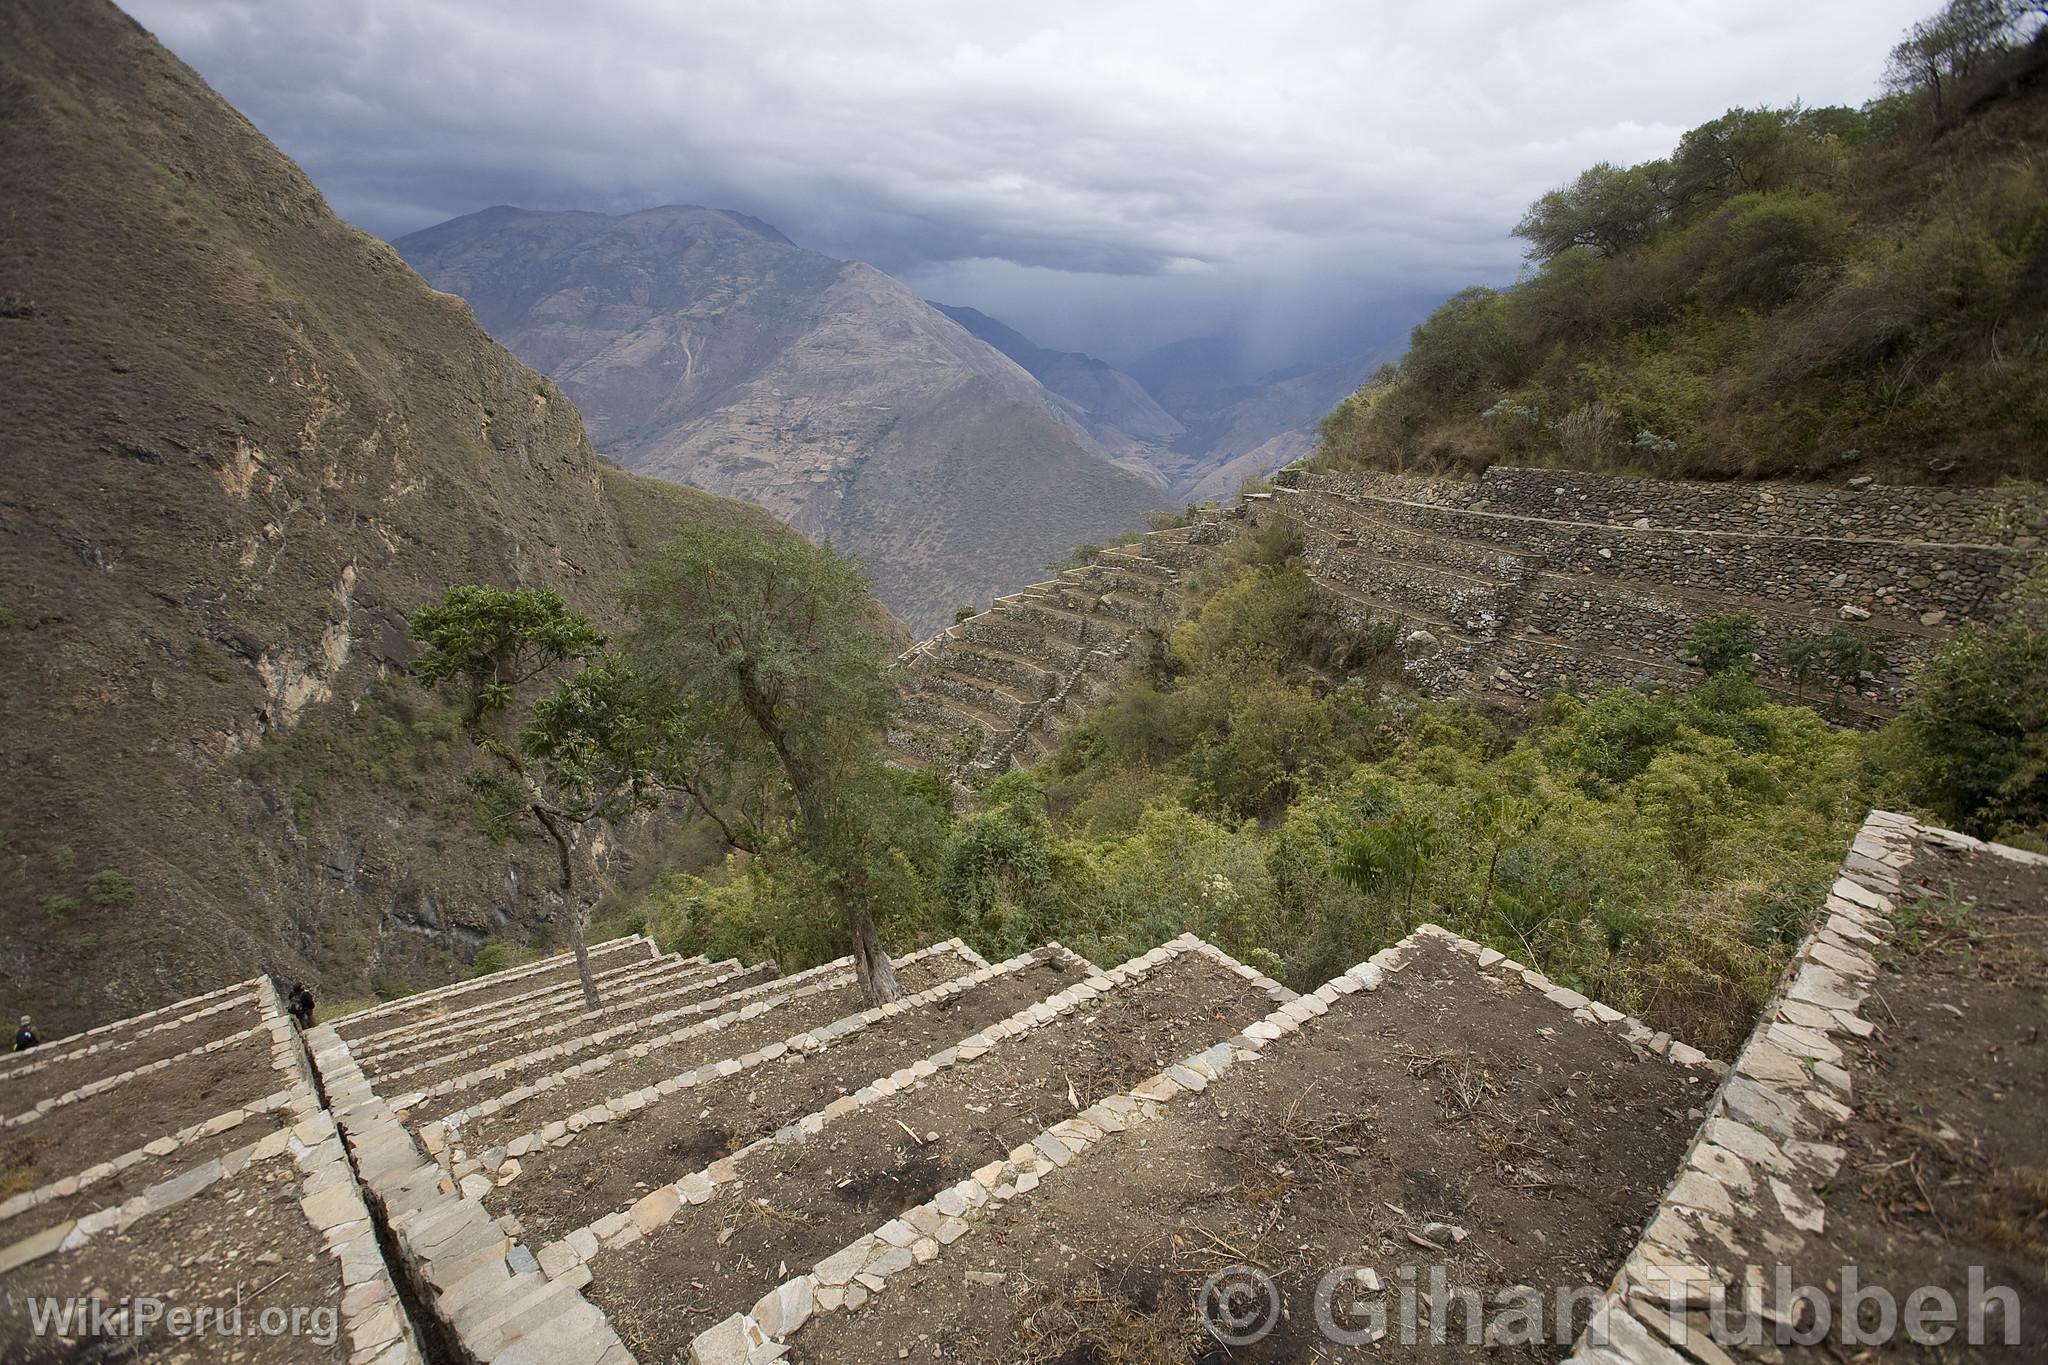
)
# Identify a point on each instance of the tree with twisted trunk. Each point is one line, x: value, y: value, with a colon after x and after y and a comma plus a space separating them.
x: 780, y: 645
x: 598, y: 746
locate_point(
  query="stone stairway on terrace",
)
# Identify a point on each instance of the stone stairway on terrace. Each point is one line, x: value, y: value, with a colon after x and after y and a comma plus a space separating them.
x: 1533, y: 579
x: 1440, y: 1152
x: 182, y: 1159
x: 996, y: 690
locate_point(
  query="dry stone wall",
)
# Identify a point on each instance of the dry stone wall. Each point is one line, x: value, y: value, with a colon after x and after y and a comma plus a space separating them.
x: 1531, y: 579
x: 997, y: 689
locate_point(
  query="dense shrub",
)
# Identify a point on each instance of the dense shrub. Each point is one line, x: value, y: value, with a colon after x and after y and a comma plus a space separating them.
x: 1792, y: 290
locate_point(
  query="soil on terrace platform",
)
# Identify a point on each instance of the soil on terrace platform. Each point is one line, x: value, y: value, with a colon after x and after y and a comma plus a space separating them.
x: 1947, y: 1165
x: 132, y: 1113
x: 798, y: 1203
x: 790, y: 1016
x: 602, y: 958
x: 491, y: 1043
x: 1446, y: 1097
x: 22, y: 1093
x: 243, y: 1241
x: 606, y: 1169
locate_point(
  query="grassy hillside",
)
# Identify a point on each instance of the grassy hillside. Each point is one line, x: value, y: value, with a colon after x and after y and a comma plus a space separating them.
x: 1792, y: 293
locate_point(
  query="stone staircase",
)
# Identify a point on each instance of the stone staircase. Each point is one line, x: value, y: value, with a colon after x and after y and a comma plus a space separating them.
x: 996, y: 690
x: 1031, y: 1160
x: 184, y: 1157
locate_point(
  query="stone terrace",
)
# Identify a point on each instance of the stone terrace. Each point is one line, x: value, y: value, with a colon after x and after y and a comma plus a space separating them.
x: 1041, y: 1160
x: 996, y: 690
x: 1533, y: 579
x: 183, y: 1157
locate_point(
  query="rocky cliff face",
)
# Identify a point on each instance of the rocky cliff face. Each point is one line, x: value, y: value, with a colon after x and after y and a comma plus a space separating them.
x: 705, y: 348
x: 243, y: 441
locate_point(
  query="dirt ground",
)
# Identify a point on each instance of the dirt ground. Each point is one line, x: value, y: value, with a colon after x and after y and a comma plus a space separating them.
x: 121, y: 1119
x: 17, y: 1096
x: 243, y: 1242
x: 1451, y: 1121
x: 603, y: 957
x: 471, y: 1055
x: 798, y: 1203
x: 492, y: 1040
x: 633, y: 1073
x: 560, y: 1189
x: 1947, y: 1165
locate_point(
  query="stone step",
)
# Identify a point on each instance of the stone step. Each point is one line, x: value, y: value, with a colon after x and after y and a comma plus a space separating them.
x: 653, y: 1137
x: 1423, y: 1114
x: 941, y: 701
x: 1025, y: 645
x: 1140, y: 564
x: 150, y: 1044
x: 466, y: 1067
x: 790, y: 1203
x: 1026, y: 679
x: 976, y: 696
x: 1049, y: 610
x: 484, y: 1116
x: 616, y: 967
x: 495, y: 986
x: 259, y: 1200
x: 670, y: 983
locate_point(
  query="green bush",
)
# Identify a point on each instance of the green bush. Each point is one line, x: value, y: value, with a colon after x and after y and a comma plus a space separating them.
x: 1972, y: 745
x: 108, y: 887
x: 1766, y: 248
x: 496, y: 957
x: 1716, y: 644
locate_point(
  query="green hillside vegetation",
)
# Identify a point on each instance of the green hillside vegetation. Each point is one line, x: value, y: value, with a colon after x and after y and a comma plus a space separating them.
x: 1268, y: 786
x: 1791, y: 293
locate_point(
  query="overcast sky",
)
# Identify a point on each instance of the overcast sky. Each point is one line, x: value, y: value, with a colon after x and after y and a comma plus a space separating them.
x: 1104, y: 176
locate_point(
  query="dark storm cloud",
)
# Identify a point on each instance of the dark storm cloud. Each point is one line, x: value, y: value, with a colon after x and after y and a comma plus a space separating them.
x: 1102, y: 176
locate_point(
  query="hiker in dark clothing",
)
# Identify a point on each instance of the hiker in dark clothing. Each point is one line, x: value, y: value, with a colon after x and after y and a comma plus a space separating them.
x: 25, y: 1036
x: 300, y: 1003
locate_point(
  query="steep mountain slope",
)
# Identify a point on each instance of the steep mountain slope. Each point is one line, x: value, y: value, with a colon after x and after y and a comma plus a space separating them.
x: 704, y: 347
x: 243, y: 441
x: 1221, y: 431
x: 1114, y: 407
x: 1269, y: 426
x: 1793, y: 293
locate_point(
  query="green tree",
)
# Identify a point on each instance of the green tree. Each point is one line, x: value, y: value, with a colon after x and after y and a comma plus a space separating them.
x: 1393, y: 852
x: 595, y: 747
x: 1975, y: 735
x: 1720, y: 643
x: 777, y: 641
x: 1467, y: 344
x: 1608, y: 208
x: 1942, y: 52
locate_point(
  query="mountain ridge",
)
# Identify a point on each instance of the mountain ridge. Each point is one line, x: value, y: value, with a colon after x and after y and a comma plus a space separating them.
x: 705, y: 351
x: 249, y: 440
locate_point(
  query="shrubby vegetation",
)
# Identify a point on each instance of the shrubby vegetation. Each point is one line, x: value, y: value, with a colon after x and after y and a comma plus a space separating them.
x: 1268, y: 784
x: 1267, y: 787
x: 1791, y: 292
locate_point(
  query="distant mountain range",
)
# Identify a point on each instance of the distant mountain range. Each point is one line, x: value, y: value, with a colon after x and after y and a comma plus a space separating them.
x: 951, y: 453
x: 704, y: 347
